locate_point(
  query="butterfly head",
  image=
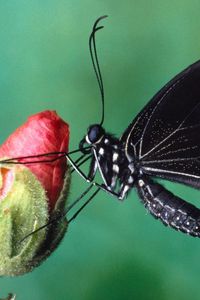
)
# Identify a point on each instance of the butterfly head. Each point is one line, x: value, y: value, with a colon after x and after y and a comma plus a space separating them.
x: 95, y: 134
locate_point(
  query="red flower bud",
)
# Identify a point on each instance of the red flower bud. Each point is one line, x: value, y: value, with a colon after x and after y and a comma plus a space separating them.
x: 42, y: 133
x: 31, y: 195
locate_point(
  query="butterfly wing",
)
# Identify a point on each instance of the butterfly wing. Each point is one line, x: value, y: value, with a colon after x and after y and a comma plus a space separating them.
x: 165, y: 136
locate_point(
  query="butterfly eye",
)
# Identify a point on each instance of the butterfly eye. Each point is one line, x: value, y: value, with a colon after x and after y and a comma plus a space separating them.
x: 95, y: 133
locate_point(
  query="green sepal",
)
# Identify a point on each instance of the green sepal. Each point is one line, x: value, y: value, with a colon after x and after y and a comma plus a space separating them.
x: 58, y: 228
x: 22, y: 210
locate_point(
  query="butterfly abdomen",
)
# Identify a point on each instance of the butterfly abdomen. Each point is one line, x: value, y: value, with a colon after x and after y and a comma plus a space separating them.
x: 170, y: 209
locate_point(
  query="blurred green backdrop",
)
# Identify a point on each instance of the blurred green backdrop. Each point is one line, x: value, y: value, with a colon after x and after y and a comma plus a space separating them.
x: 113, y: 250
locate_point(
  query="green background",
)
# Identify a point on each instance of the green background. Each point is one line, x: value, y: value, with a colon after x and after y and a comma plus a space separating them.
x: 113, y: 250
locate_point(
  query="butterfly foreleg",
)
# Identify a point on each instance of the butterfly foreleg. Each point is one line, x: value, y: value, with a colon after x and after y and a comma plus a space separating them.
x: 91, y: 175
x: 79, y: 171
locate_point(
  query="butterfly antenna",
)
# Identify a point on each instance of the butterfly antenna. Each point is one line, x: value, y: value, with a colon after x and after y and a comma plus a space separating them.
x: 95, y: 61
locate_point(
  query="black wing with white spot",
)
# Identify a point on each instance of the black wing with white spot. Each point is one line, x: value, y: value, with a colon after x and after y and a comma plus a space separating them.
x: 165, y: 136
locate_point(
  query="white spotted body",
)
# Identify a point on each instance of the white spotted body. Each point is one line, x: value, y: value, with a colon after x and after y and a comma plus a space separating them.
x: 113, y: 165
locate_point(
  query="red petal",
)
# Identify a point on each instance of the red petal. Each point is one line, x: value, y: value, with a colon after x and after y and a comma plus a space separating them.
x: 42, y: 133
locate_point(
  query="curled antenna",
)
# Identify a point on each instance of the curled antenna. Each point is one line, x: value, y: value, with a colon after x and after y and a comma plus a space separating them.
x: 95, y: 61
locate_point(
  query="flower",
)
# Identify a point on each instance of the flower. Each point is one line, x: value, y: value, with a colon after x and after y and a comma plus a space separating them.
x: 42, y: 133
x: 33, y: 192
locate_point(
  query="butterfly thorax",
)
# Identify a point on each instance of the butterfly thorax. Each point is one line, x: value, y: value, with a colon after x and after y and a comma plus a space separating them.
x: 109, y: 158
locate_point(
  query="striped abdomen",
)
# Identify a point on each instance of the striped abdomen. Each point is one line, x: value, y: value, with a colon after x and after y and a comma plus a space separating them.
x: 170, y: 209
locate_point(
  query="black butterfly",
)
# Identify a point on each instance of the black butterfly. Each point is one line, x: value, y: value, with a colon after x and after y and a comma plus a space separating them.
x: 163, y: 141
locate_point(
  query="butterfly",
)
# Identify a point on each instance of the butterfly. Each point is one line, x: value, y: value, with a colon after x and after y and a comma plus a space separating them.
x: 162, y: 141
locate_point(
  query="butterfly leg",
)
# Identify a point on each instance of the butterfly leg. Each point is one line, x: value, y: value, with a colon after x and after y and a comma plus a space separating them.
x: 121, y: 195
x: 106, y: 189
x: 77, y: 169
x: 127, y: 184
x: 91, y: 175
